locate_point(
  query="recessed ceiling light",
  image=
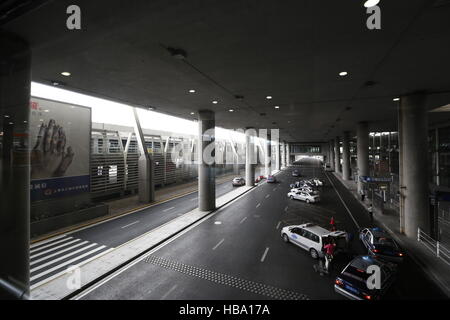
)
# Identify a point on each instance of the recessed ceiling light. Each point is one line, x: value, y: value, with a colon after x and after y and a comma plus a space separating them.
x: 371, y: 3
x: 343, y: 73
x: 151, y: 108
x: 269, y: 97
x: 192, y: 91
x: 66, y: 74
x: 396, y: 99
x: 215, y: 102
x: 277, y: 107
x: 11, y: 123
x: 6, y: 116
x: 192, y: 113
x: 25, y: 121
x: 231, y: 110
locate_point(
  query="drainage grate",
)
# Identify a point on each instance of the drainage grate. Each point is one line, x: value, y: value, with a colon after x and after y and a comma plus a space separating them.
x: 224, y: 279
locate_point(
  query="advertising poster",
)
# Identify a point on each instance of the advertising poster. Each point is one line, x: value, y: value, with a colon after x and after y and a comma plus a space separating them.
x: 60, y: 136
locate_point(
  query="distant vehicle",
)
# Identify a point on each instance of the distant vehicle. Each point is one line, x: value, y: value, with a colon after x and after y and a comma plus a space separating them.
x: 379, y: 244
x: 327, y: 167
x: 311, y: 237
x: 271, y: 179
x: 303, y: 196
x: 296, y: 173
x: 352, y: 282
x: 260, y: 178
x: 309, y: 190
x: 238, y: 181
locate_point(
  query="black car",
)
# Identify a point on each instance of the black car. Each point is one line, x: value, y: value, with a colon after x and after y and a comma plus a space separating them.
x: 352, y: 282
x: 380, y: 245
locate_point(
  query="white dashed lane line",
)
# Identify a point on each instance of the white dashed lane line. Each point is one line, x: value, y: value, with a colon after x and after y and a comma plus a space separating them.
x: 128, y: 225
x: 168, y: 292
x: 243, y: 219
x: 264, y: 254
x: 217, y: 245
x: 267, y: 196
x: 168, y: 209
x: 278, y: 225
x: 257, y: 206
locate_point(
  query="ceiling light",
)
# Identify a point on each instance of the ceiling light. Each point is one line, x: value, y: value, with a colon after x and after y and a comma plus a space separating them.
x: 269, y: 97
x: 66, y: 74
x: 6, y: 116
x: 396, y: 99
x: 371, y: 3
x: 215, y: 102
x: 192, y: 91
x: 231, y: 110
x: 192, y: 113
x: 277, y: 107
x: 343, y: 73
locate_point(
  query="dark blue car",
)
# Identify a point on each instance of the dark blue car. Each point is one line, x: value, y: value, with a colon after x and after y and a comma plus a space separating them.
x: 380, y: 245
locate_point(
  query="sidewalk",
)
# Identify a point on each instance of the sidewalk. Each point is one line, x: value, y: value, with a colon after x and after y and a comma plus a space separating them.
x: 436, y: 269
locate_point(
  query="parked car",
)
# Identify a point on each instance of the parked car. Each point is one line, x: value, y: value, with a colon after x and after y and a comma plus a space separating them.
x: 379, y: 244
x: 271, y: 179
x: 352, y: 282
x: 309, y: 190
x: 296, y: 173
x: 260, y: 178
x: 303, y: 196
x: 317, y: 182
x: 238, y: 181
x: 312, y: 237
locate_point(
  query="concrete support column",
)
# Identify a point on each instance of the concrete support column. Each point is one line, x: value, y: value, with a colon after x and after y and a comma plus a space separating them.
x: 206, y: 161
x: 282, y: 155
x: 288, y: 155
x: 346, y: 156
x: 413, y: 127
x: 277, y: 155
x: 250, y: 157
x: 15, y: 79
x: 146, y: 185
x: 267, y: 156
x: 337, y: 155
x: 362, y: 146
x: 331, y: 146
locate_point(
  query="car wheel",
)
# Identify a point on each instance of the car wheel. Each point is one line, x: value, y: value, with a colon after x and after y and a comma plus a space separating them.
x: 285, y: 238
x: 313, y: 253
x: 291, y: 197
x: 307, y: 200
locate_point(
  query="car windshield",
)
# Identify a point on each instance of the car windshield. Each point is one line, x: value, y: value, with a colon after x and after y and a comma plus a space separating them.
x: 385, y: 243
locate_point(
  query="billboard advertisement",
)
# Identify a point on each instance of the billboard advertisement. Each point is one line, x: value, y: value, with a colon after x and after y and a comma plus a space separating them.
x: 60, y: 136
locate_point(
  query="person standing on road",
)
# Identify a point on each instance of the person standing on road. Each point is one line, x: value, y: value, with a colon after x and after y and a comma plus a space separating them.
x: 329, y: 253
x: 370, y: 211
x: 332, y: 224
x: 363, y: 195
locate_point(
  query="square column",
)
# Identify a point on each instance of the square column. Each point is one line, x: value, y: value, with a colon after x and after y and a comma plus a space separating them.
x: 206, y: 161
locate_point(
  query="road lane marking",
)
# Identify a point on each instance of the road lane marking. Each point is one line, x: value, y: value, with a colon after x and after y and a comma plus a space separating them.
x: 265, y: 254
x: 53, y: 249
x: 278, y: 225
x: 49, y: 263
x: 130, y: 224
x: 217, y: 245
x: 194, y: 199
x: 50, y: 244
x: 348, y: 210
x: 267, y: 196
x: 168, y: 209
x: 257, y: 206
x: 257, y: 216
x: 243, y: 219
x: 274, y: 189
x: 59, y: 266
x: 34, y: 245
x: 286, y: 209
x: 57, y: 252
x: 168, y: 292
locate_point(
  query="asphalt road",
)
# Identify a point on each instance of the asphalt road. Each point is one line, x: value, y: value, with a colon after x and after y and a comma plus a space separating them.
x: 238, y: 253
x: 53, y: 257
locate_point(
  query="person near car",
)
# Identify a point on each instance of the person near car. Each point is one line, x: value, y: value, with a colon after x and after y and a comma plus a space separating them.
x: 332, y: 224
x: 329, y: 253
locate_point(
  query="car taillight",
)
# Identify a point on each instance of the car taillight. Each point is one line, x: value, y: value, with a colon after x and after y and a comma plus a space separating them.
x: 400, y: 254
x: 339, y: 282
x: 375, y: 250
x: 367, y: 297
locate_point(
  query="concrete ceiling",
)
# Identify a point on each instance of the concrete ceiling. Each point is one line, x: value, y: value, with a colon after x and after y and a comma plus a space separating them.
x: 292, y: 50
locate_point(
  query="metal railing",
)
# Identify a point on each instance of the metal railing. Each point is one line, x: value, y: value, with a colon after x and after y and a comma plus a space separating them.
x: 434, y: 246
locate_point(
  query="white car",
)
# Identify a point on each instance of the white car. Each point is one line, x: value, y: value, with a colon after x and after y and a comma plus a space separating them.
x: 308, y: 190
x: 303, y: 196
x: 310, y: 237
x: 317, y: 182
x: 238, y: 181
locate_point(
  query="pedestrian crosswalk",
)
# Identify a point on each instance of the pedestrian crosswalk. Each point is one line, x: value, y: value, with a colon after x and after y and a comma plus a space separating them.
x: 51, y: 258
